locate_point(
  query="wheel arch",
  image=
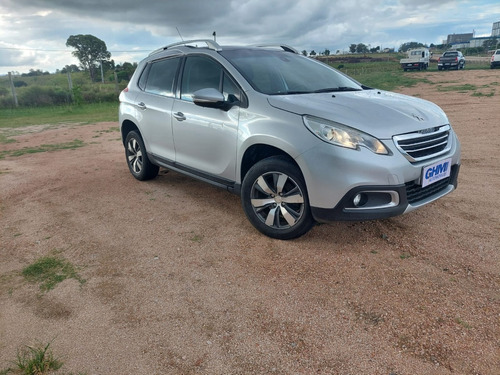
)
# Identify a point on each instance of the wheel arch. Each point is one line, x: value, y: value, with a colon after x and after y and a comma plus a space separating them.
x: 258, y: 152
x: 127, y: 127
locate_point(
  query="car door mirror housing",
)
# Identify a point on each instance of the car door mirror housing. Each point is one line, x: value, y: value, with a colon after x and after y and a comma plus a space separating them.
x: 209, y: 97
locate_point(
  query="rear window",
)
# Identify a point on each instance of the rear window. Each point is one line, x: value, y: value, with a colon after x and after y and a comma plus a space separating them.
x: 161, y: 76
x: 451, y: 54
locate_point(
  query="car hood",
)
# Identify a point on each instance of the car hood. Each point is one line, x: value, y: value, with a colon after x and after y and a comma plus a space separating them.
x: 379, y: 113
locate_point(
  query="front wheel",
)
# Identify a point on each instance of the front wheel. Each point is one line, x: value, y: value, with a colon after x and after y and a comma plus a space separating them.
x: 274, y: 198
x: 137, y: 158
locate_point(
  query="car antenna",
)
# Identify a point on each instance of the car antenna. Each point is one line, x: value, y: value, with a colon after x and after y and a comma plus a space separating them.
x: 179, y: 33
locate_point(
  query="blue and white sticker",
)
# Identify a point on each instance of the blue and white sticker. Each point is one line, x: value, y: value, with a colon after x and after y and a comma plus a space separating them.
x: 436, y: 172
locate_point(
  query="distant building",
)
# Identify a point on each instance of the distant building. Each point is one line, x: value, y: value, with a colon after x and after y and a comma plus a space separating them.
x: 479, y: 41
x: 495, y: 30
x: 459, y: 38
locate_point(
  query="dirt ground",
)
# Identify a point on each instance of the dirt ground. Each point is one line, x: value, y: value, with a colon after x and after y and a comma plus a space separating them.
x: 177, y: 281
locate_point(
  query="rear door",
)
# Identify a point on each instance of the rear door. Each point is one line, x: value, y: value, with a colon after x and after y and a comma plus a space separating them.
x: 155, y: 102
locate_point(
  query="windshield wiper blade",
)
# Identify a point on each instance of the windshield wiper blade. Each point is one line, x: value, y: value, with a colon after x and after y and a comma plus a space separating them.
x: 295, y: 92
x: 337, y: 89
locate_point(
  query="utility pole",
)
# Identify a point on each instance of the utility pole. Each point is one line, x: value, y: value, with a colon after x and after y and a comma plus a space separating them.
x: 102, y: 74
x: 13, y: 89
x: 215, y: 36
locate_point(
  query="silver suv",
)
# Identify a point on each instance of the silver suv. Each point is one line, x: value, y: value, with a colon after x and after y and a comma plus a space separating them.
x: 299, y: 141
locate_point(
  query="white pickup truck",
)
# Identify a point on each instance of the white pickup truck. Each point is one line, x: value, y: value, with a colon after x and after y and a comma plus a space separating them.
x: 418, y: 58
x: 495, y: 59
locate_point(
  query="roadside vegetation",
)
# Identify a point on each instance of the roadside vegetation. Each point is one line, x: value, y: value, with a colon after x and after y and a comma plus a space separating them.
x: 35, y: 360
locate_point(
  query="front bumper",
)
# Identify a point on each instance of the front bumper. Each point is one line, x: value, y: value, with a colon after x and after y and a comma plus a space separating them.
x: 448, y: 65
x: 386, y: 201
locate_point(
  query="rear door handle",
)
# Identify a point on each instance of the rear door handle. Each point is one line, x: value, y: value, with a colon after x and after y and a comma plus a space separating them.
x: 141, y: 105
x: 179, y: 116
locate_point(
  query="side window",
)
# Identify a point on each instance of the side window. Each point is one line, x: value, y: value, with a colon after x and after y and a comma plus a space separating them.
x: 143, y: 78
x: 230, y: 90
x: 199, y: 73
x: 160, y: 79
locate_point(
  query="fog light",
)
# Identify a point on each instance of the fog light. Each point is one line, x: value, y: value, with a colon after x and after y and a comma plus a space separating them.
x: 359, y: 200
x: 356, y: 200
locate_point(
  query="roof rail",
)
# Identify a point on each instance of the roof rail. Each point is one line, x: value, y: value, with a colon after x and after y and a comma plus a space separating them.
x: 282, y: 46
x: 210, y: 44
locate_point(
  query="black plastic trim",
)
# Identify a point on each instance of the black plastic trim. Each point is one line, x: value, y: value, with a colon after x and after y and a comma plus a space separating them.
x: 229, y: 185
x: 339, y: 212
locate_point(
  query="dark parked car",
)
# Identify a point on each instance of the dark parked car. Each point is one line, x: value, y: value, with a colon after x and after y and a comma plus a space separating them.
x: 451, y: 60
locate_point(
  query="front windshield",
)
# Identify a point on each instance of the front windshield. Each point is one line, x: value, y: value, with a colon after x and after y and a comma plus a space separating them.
x: 278, y: 73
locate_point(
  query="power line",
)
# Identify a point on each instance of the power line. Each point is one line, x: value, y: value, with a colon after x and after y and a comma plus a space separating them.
x: 65, y: 50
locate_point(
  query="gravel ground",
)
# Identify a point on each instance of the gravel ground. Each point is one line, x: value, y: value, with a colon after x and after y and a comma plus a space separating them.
x: 178, y: 282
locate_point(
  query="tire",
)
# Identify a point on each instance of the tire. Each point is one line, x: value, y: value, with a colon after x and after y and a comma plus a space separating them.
x: 137, y: 158
x: 274, y: 198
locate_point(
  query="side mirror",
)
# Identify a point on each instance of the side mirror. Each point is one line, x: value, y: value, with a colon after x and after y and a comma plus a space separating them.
x: 210, y: 97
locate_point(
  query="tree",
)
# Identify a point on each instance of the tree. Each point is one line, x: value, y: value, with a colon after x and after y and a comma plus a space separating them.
x: 313, y: 53
x: 491, y: 43
x: 90, y: 50
x: 409, y: 45
x: 352, y: 48
x: 70, y: 68
x: 361, y: 48
x: 327, y: 52
x: 304, y: 52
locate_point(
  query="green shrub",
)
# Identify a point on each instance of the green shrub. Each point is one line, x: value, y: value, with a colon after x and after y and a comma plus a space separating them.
x: 34, y: 96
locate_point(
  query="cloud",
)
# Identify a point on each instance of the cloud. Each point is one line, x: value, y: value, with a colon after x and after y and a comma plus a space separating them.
x: 127, y: 25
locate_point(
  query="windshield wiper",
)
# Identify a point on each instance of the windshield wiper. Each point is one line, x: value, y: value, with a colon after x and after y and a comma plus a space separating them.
x: 337, y: 89
x: 293, y: 92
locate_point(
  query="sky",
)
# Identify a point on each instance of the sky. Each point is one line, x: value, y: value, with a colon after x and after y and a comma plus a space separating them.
x: 33, y: 33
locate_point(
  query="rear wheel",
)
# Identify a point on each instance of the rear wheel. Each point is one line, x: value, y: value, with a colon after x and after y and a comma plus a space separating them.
x: 137, y: 158
x: 274, y: 197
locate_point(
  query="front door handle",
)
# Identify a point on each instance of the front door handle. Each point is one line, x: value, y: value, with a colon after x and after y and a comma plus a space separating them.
x: 179, y: 116
x: 141, y: 105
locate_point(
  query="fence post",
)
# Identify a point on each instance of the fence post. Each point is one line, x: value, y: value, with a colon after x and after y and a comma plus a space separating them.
x: 70, y: 85
x: 117, y: 89
x: 13, y: 89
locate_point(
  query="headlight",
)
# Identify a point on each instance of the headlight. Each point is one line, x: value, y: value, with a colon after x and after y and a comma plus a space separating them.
x: 342, y: 135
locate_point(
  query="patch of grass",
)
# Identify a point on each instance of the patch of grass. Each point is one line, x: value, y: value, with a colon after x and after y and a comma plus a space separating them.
x: 4, y: 139
x: 479, y: 94
x: 38, y: 360
x: 462, y: 323
x: 465, y: 87
x: 49, y: 271
x: 84, y: 113
x: 76, y: 143
x: 196, y: 238
x: 390, y: 80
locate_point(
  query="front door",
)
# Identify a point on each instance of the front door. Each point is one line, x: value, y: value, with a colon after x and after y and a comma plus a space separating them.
x: 205, y: 138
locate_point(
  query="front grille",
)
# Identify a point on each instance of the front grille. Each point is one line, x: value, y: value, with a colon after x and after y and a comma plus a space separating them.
x: 416, y: 193
x: 424, y: 144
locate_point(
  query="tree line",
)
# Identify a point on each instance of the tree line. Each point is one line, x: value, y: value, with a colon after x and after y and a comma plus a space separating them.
x: 361, y: 48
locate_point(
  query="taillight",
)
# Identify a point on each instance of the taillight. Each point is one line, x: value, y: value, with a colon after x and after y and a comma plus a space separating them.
x: 125, y: 89
x: 456, y: 58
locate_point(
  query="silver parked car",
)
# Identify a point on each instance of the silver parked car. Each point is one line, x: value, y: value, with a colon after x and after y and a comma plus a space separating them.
x: 299, y: 141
